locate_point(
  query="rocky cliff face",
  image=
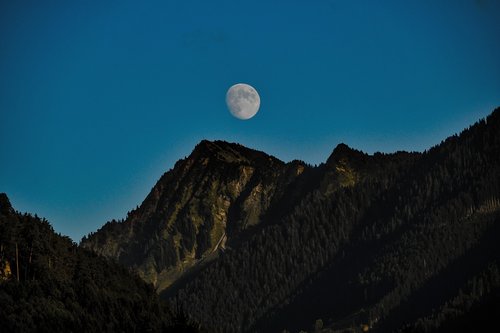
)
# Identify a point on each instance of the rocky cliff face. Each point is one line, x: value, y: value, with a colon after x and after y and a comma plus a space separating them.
x: 204, y: 202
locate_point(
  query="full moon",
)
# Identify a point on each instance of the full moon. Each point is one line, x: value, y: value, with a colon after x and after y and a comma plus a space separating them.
x: 243, y: 101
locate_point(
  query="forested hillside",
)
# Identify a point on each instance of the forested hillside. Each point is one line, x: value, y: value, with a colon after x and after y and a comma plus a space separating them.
x: 385, y: 242
x: 49, y: 284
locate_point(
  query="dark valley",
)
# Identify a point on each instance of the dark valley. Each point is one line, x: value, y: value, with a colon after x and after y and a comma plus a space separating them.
x: 234, y: 240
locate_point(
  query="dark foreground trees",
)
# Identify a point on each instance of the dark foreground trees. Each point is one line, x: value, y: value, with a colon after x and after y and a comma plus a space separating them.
x: 55, y: 286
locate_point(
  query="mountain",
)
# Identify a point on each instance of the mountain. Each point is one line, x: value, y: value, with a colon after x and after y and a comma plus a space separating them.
x: 203, y: 204
x: 49, y: 284
x: 385, y: 242
x: 403, y: 242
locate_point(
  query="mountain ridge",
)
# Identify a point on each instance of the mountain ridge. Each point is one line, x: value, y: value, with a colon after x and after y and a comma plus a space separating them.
x: 366, y: 245
x: 355, y: 227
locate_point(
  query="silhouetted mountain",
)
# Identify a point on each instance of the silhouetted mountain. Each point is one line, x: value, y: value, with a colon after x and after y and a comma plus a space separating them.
x: 387, y: 242
x: 381, y: 242
x: 243, y: 242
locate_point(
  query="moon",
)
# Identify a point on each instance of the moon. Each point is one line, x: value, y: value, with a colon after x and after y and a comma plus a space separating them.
x: 243, y: 101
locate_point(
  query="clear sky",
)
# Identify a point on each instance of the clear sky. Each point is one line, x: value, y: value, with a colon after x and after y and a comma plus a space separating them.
x: 99, y: 98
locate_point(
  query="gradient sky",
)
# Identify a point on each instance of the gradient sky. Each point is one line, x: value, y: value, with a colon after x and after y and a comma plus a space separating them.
x: 99, y: 98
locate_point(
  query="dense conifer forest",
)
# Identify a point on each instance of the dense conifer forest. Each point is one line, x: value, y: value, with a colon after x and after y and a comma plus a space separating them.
x: 49, y: 284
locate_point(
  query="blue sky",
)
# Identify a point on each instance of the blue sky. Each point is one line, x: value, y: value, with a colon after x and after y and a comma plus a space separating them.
x: 98, y: 99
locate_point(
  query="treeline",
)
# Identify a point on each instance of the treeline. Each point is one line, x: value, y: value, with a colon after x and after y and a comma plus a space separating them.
x: 397, y: 238
x: 49, y: 284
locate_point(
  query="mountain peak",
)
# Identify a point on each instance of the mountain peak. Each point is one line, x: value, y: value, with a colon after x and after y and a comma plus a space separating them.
x: 215, y: 145
x: 205, y: 202
x: 229, y: 152
x: 342, y: 152
x: 342, y: 148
